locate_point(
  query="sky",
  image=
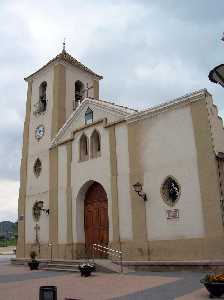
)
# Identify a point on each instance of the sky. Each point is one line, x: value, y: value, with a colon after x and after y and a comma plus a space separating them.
x: 149, y: 51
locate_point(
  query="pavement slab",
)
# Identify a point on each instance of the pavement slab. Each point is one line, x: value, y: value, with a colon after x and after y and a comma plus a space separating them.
x: 98, y: 286
x: 19, y: 283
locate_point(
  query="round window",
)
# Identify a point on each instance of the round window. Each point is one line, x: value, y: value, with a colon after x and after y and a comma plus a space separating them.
x: 37, y: 167
x: 170, y: 191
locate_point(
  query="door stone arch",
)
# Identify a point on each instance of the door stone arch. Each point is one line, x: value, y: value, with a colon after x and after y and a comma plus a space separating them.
x: 92, y: 222
x: 96, y: 222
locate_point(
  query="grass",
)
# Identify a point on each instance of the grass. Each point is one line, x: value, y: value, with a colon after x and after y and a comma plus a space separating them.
x: 6, y: 243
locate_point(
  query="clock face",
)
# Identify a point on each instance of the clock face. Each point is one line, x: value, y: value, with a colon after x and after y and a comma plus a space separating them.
x: 39, y: 132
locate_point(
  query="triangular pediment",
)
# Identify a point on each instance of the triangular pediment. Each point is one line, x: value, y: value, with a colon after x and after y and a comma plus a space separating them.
x: 101, y: 110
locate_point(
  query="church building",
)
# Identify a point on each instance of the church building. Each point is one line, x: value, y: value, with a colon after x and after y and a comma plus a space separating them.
x: 149, y: 183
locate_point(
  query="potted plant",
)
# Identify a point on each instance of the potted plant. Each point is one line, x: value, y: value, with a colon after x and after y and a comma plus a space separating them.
x: 33, y: 264
x: 214, y: 284
x: 86, y: 269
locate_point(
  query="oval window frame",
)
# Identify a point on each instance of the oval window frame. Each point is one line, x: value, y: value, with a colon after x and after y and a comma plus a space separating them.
x: 168, y: 201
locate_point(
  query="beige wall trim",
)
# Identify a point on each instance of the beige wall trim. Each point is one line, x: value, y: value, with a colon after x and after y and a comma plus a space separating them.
x: 114, y: 189
x: 64, y: 251
x: 163, y: 250
x: 104, y: 120
x: 207, y: 169
x: 188, y: 249
x: 64, y: 142
x: 20, y: 249
x: 105, y: 125
x: 96, y: 89
x: 53, y: 199
x: 59, y: 93
x: 164, y: 107
x: 58, y: 119
x: 69, y: 195
x: 137, y: 175
x: 114, y: 123
x: 56, y: 144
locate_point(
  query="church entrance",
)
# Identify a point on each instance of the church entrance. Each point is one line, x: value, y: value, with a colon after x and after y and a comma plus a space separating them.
x: 96, y: 217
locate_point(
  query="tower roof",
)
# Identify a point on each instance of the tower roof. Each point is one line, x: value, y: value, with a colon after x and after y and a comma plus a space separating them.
x: 65, y: 56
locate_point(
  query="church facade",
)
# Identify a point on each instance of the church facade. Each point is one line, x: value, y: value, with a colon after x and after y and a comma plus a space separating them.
x: 149, y: 183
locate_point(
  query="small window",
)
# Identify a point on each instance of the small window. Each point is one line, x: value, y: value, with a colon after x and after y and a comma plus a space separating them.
x: 88, y: 116
x: 170, y: 191
x: 83, y: 144
x: 95, y: 144
x: 37, y: 167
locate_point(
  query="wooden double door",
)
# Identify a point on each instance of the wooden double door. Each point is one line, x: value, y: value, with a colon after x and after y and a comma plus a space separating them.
x: 96, y: 217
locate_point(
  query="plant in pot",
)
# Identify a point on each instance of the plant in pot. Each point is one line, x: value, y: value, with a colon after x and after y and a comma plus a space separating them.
x: 33, y: 264
x: 214, y: 284
x: 86, y: 269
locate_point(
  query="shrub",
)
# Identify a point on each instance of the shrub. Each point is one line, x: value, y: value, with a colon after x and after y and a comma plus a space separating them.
x: 33, y: 255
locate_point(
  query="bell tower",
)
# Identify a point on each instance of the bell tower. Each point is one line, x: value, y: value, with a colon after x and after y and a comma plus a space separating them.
x: 54, y: 92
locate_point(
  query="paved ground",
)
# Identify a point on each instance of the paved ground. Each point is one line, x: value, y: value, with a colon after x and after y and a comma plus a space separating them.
x: 7, y: 250
x: 19, y: 283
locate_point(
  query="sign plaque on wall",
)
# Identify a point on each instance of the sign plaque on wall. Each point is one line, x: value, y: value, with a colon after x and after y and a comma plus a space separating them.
x: 21, y: 217
x: 172, y: 214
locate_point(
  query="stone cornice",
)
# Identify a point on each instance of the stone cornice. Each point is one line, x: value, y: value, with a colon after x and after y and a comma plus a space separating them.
x: 173, y: 104
x: 81, y: 128
x: 104, y: 105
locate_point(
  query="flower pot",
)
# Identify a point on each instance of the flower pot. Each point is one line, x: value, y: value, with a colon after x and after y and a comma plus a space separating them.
x: 34, y: 265
x: 215, y: 289
x: 86, y: 269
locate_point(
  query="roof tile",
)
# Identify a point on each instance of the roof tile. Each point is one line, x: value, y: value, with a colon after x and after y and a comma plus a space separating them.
x: 65, y: 56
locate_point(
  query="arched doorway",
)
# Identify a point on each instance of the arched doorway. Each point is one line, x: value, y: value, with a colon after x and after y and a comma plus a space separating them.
x: 96, y: 217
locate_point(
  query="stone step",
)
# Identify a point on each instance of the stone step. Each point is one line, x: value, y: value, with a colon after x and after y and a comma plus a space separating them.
x: 185, y: 265
x: 102, y: 265
x: 67, y: 262
x: 63, y: 266
x: 73, y: 270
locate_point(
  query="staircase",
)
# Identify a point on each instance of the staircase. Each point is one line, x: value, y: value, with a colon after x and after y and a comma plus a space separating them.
x: 102, y: 265
x: 107, y: 266
x: 63, y: 266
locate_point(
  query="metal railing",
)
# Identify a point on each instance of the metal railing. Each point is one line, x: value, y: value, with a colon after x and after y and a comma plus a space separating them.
x: 109, y: 251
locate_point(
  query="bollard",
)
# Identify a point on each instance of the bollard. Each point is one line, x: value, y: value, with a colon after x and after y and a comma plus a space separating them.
x: 48, y: 293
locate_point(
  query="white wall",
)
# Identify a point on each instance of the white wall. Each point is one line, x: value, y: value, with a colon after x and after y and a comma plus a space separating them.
x: 37, y: 187
x: 99, y: 113
x: 96, y: 169
x: 62, y: 194
x: 168, y: 148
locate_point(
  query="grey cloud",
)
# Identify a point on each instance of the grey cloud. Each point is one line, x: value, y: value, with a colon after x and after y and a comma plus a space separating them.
x: 148, y: 52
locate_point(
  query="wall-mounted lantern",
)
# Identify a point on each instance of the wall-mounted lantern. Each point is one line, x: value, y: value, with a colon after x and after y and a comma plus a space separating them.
x: 216, y: 75
x: 40, y: 206
x: 138, y: 189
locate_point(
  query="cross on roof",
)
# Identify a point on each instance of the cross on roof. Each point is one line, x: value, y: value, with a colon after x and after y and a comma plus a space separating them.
x: 87, y: 90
